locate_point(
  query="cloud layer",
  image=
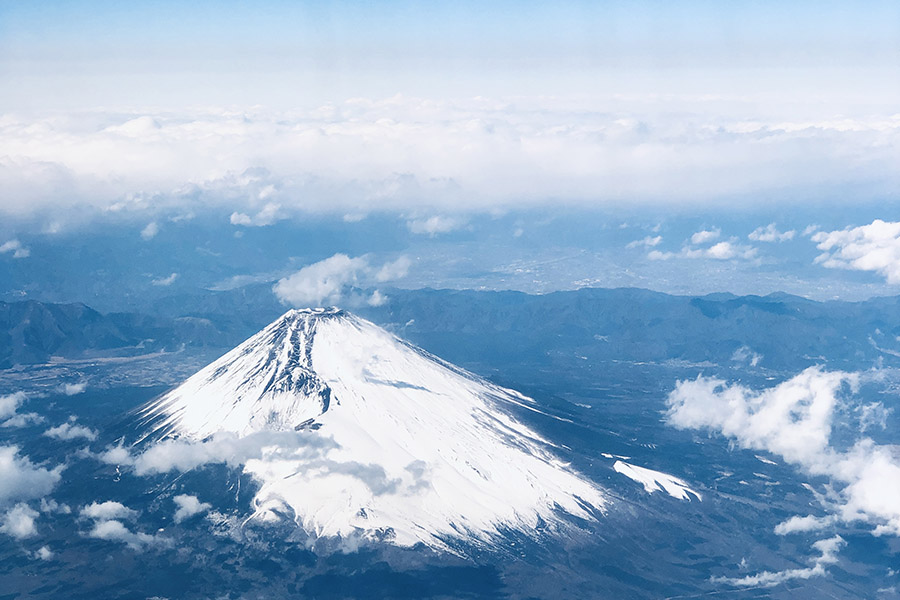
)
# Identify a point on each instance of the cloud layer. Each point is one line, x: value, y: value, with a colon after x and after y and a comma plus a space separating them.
x: 405, y: 153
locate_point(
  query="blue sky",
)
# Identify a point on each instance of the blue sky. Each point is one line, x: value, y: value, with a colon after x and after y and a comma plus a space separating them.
x: 87, y: 54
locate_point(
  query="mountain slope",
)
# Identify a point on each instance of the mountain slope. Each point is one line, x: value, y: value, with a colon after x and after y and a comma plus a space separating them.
x: 392, y: 443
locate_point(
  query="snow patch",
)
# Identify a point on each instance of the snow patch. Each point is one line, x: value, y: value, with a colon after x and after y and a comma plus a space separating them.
x: 654, y: 481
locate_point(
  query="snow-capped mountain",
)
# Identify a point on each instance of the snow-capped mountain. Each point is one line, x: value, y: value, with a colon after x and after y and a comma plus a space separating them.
x: 392, y: 443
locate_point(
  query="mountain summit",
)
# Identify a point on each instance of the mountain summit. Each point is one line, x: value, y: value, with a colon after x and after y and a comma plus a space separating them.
x: 392, y: 443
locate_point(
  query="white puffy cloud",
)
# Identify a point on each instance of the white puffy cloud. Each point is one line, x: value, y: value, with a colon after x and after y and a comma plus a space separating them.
x: 647, y: 242
x: 321, y: 283
x: 165, y: 281
x: 794, y: 420
x: 719, y: 251
x: 240, y: 219
x: 115, y: 455
x: 149, y: 232
x: 18, y: 522
x: 49, y: 505
x: 107, y: 525
x: 432, y: 226
x: 188, y: 506
x: 10, y: 403
x: 328, y: 281
x: 22, y: 419
x: 726, y: 250
x: 43, y: 553
x: 116, y: 531
x: 269, y: 214
x: 108, y: 510
x: 71, y: 431
x: 697, y: 248
x: 73, y: 389
x: 874, y: 247
x: 20, y: 479
x: 16, y: 248
x: 770, y: 233
x: 798, y: 524
x: 704, y: 236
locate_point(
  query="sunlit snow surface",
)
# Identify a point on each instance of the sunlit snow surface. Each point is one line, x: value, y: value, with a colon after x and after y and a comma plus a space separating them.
x: 654, y: 481
x: 406, y: 448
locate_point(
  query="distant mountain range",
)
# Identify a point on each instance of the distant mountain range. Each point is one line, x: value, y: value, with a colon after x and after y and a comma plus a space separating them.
x: 775, y: 332
x: 34, y: 332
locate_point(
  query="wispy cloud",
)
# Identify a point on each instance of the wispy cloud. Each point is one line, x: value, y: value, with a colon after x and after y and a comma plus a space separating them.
x: 149, y: 232
x: 700, y: 245
x: 165, y: 281
x: 828, y: 554
x: 435, y: 225
x: 22, y: 420
x: 268, y: 215
x: 392, y: 271
x: 647, y: 242
x: 770, y: 233
x: 720, y: 251
x: 15, y: 248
